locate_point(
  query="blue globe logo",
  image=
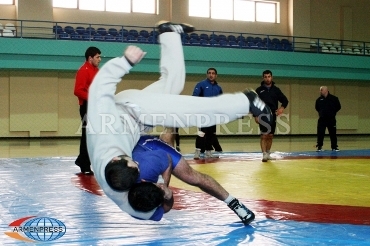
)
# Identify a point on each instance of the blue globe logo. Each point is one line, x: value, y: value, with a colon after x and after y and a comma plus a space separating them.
x: 44, y: 229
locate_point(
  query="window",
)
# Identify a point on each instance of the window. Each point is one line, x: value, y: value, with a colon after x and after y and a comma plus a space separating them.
x: 138, y: 6
x: 118, y: 6
x: 92, y: 5
x: 244, y: 10
x: 265, y: 12
x: 65, y: 4
x: 199, y: 8
x: 7, y: 2
x: 222, y: 9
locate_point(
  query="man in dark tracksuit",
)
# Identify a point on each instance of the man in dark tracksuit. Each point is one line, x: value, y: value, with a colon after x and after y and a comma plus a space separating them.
x: 271, y: 95
x: 327, y: 105
x: 207, y: 88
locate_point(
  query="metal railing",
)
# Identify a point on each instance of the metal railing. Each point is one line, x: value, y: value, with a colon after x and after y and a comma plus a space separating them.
x: 11, y: 28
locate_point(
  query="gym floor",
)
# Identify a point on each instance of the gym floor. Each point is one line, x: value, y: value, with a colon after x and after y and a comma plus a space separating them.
x: 301, y: 198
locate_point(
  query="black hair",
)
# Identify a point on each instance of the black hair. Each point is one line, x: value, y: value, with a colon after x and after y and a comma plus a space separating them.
x: 266, y: 72
x: 145, y: 196
x: 91, y: 51
x: 119, y: 176
x: 212, y: 68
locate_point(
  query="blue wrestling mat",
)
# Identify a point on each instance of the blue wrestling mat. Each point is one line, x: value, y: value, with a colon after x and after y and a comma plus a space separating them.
x: 35, y: 191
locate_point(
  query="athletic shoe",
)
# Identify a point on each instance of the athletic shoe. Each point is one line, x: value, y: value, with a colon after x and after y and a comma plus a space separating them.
x: 264, y: 157
x: 269, y: 158
x: 319, y: 148
x: 208, y: 154
x: 335, y: 149
x: 166, y: 26
x: 257, y: 107
x: 244, y: 213
x: 197, y: 154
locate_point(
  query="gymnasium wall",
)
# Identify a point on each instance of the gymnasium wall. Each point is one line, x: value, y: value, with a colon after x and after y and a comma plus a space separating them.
x: 37, y: 76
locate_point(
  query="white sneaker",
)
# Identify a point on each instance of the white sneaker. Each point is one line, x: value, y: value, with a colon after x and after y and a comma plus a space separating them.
x: 264, y: 157
x: 197, y: 154
x: 208, y: 154
x: 269, y: 158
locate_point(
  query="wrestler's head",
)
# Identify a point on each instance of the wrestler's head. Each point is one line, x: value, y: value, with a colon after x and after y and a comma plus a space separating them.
x: 121, y: 173
x: 145, y: 196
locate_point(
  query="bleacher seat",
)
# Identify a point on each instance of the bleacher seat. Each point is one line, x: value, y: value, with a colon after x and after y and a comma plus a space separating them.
x: 266, y: 41
x: 57, y: 29
x: 154, y: 33
x: 275, y: 41
x: 223, y: 43
x: 258, y: 40
x: 194, y: 41
x: 134, y: 33
x: 242, y: 44
x: 123, y: 32
x: 131, y: 39
x: 194, y: 36
x: 75, y: 36
x: 113, y: 31
x: 213, y: 42
x: 231, y: 38
x: 64, y: 35
x: 153, y: 39
x: 102, y: 31
x: 11, y: 27
x: 324, y: 49
x: 233, y: 43
x: 90, y: 30
x: 241, y: 38
x: 69, y: 29
x: 87, y: 37
x: 98, y: 37
x: 213, y: 37
x: 120, y: 39
x: 109, y: 38
x: 144, y: 33
x: 221, y: 37
x: 204, y: 36
x: 142, y: 39
x: 249, y: 39
x: 80, y: 30
x: 8, y: 33
x: 203, y: 42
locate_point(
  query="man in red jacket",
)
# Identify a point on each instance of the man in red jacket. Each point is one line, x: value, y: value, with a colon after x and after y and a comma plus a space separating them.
x: 84, y: 78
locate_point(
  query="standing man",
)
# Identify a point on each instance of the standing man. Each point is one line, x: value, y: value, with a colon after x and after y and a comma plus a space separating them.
x: 207, y: 135
x: 327, y: 105
x: 271, y: 95
x: 84, y: 78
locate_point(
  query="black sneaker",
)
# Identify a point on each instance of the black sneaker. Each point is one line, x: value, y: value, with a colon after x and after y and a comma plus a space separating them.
x: 166, y: 26
x: 244, y: 213
x: 335, y: 149
x: 256, y: 106
x: 318, y: 148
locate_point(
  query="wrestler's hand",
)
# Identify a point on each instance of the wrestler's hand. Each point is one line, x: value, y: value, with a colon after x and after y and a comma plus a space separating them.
x: 167, y: 191
x: 134, y: 54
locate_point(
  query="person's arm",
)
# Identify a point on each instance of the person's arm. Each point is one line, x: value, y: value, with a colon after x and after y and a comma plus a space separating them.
x: 168, y: 197
x: 284, y: 103
x: 198, y: 90
x: 338, y: 106
x: 81, y: 89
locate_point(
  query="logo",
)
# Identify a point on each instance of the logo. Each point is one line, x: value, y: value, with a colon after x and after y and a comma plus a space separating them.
x: 31, y: 229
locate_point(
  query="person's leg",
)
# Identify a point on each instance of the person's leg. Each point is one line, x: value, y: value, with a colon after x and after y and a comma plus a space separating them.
x: 270, y: 137
x: 172, y: 66
x: 206, y: 183
x: 177, y: 139
x: 199, y: 147
x: 83, y: 160
x: 321, y: 126
x: 332, y: 128
x: 216, y: 144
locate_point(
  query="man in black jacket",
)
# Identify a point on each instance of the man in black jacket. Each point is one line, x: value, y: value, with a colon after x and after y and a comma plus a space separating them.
x: 327, y: 105
x: 271, y: 95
